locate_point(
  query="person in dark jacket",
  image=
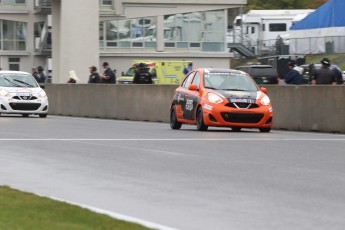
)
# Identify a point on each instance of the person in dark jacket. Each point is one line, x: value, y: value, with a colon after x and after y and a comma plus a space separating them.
x: 324, y: 75
x: 338, y: 75
x: 94, y: 76
x: 142, y: 75
x: 41, y: 74
x: 35, y: 74
x: 108, y: 76
x: 293, y: 77
x: 38, y: 74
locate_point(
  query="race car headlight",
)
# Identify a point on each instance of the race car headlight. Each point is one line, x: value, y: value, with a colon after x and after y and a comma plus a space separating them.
x: 4, y: 93
x: 42, y: 94
x: 214, y: 98
x: 265, y: 100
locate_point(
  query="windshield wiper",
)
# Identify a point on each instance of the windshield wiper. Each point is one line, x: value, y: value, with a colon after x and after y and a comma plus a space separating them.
x: 209, y: 87
x: 235, y: 89
x: 12, y: 83
x: 23, y: 82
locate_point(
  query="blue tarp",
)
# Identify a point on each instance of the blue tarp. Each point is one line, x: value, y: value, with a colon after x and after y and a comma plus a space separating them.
x: 330, y: 14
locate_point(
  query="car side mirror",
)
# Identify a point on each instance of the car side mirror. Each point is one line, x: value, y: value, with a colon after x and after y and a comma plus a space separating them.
x: 123, y: 73
x: 263, y: 89
x: 193, y: 87
x: 42, y: 86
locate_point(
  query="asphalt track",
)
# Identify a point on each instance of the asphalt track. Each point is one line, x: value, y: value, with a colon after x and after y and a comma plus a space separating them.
x: 183, y: 179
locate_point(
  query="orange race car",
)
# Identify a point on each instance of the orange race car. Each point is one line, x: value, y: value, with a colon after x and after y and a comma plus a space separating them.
x: 223, y: 98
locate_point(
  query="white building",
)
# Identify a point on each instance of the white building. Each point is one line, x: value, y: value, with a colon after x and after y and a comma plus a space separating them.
x: 64, y: 35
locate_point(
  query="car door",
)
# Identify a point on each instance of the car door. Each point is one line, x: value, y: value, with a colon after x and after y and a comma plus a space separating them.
x: 183, y: 93
x: 192, y: 97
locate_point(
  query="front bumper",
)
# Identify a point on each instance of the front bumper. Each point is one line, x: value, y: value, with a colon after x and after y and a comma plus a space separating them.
x: 14, y: 106
x: 223, y: 116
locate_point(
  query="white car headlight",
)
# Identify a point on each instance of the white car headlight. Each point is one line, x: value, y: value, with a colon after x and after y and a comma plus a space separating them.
x: 4, y: 93
x: 265, y: 100
x: 214, y: 98
x: 42, y: 94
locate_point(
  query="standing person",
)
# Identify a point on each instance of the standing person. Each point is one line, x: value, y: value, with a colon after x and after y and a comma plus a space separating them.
x: 338, y: 75
x: 73, y: 78
x: 35, y: 74
x: 108, y: 76
x: 94, y: 76
x: 279, y: 45
x: 311, y: 72
x: 41, y: 74
x: 293, y: 77
x: 142, y: 75
x: 324, y: 75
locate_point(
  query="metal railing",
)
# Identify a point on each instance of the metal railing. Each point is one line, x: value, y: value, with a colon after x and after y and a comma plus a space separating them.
x: 298, y: 46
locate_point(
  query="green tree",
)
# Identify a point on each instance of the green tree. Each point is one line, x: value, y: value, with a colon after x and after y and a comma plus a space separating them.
x: 282, y: 4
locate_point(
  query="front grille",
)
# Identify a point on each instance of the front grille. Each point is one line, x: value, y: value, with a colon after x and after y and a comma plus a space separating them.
x: 242, y: 117
x: 25, y: 106
x: 25, y: 98
x: 242, y: 105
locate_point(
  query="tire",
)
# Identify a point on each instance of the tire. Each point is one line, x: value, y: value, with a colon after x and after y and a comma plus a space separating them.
x: 200, y: 125
x: 236, y: 129
x: 265, y: 130
x: 43, y: 115
x: 25, y: 115
x: 174, y: 124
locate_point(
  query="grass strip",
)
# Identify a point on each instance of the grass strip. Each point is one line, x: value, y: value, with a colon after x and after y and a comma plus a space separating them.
x: 26, y: 211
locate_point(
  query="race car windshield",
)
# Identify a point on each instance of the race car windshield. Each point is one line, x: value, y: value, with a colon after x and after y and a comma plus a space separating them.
x: 17, y: 80
x: 229, y: 81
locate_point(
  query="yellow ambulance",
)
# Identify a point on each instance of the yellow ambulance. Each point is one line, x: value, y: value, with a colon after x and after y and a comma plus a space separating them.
x: 163, y: 72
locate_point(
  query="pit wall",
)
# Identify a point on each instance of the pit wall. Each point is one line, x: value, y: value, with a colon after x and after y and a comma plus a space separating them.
x: 299, y: 108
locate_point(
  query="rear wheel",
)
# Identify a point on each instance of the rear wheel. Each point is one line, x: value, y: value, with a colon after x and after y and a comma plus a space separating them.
x: 43, y: 115
x: 174, y: 124
x: 265, y: 130
x: 200, y: 125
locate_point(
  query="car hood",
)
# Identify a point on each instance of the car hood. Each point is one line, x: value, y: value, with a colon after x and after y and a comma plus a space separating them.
x: 22, y: 89
x: 231, y: 94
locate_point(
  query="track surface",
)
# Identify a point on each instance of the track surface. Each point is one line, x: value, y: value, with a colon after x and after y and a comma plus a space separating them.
x: 184, y: 179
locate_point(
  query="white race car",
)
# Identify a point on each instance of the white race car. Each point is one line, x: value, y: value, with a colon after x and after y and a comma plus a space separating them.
x: 21, y: 94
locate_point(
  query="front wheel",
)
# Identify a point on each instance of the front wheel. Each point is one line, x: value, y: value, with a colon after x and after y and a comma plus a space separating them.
x: 265, y: 130
x: 174, y: 124
x: 43, y: 115
x: 200, y: 125
x: 236, y: 129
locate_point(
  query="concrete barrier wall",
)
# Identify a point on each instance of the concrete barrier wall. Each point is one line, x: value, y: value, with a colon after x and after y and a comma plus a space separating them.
x: 302, y: 108
x: 126, y: 102
x: 308, y: 108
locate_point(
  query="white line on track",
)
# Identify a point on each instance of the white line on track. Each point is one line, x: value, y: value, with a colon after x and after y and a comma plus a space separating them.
x: 114, y: 215
x: 117, y: 215
x: 174, y: 139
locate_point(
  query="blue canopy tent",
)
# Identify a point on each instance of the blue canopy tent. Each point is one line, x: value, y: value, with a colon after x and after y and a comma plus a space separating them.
x: 322, y: 31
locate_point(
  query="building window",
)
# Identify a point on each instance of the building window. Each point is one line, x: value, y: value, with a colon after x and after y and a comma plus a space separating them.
x: 199, y: 31
x: 12, y: 35
x: 14, y: 64
x: 12, y: 2
x: 130, y: 33
x: 206, y: 28
x: 105, y: 2
x: 277, y: 27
